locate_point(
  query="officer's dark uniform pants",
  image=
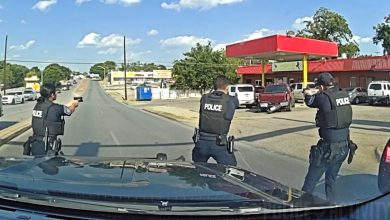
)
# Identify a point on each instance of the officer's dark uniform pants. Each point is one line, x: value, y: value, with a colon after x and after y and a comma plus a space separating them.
x: 331, y: 169
x: 204, y: 149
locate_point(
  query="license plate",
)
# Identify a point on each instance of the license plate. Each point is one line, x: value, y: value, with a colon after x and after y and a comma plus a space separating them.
x: 272, y: 108
x: 284, y: 104
x: 264, y: 105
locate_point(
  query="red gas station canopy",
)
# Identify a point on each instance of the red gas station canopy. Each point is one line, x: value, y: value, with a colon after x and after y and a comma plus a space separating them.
x: 282, y: 48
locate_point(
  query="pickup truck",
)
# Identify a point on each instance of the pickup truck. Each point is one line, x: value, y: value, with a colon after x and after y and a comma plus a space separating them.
x: 278, y: 96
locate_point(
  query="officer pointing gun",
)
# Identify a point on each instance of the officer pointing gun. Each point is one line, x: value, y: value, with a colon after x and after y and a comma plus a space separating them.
x: 334, y: 116
x: 216, y: 113
x: 48, y: 122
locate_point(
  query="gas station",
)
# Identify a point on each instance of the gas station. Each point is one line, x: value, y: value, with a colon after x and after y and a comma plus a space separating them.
x: 281, y: 48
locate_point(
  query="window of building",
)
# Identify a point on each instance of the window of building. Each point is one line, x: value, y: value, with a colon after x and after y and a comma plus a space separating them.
x: 258, y: 82
x: 248, y: 81
x: 353, y: 82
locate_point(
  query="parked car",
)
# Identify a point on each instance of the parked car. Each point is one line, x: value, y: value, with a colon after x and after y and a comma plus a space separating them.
x: 258, y: 90
x: 298, y: 89
x: 13, y: 98
x: 357, y: 95
x: 245, y: 94
x: 379, y: 92
x: 30, y: 95
x: 279, y: 95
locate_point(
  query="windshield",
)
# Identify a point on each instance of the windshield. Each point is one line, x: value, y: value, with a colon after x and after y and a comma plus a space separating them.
x: 245, y: 89
x: 276, y: 88
x: 376, y: 86
x: 150, y: 95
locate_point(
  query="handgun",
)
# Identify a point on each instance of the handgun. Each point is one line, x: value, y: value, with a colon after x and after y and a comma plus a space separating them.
x: 80, y: 99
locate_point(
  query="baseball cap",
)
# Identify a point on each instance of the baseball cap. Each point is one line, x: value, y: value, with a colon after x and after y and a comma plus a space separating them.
x: 324, y: 79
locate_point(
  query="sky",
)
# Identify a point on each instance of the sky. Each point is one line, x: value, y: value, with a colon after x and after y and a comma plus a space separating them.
x: 78, y: 33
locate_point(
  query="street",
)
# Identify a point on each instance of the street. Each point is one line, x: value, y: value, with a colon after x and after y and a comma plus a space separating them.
x: 102, y: 127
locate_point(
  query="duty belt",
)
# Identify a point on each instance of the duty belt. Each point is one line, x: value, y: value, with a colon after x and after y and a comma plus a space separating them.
x: 207, y: 136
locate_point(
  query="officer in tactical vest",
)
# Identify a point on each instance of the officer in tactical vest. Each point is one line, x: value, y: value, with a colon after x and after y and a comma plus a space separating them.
x: 334, y: 116
x: 216, y: 113
x: 47, y: 123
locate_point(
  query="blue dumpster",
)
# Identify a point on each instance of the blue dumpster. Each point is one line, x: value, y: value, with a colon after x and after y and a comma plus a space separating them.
x: 144, y: 93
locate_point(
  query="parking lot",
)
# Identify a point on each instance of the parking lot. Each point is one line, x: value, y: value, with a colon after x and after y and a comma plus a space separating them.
x: 289, y: 133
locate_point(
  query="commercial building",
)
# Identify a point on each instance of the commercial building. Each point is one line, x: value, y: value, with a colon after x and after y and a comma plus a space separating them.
x: 347, y: 72
x: 154, y: 77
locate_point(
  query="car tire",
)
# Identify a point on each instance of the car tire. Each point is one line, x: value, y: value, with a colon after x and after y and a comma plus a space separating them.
x: 13, y: 102
x: 248, y: 106
x: 22, y: 101
x: 357, y: 101
x: 387, y: 101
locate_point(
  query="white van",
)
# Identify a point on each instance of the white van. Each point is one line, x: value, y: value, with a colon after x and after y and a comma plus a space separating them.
x: 245, y: 94
x: 379, y: 92
x: 298, y: 90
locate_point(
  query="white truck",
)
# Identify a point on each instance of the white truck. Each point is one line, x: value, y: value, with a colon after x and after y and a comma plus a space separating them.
x: 245, y: 94
x: 379, y: 92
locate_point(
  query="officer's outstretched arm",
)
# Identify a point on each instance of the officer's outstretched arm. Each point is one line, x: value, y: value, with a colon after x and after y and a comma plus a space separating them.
x: 71, y: 106
x: 310, y: 101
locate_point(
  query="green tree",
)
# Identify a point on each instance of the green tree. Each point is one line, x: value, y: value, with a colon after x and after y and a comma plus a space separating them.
x: 383, y: 35
x: 147, y: 67
x: 200, y: 66
x: 108, y: 65
x: 18, y: 74
x: 331, y: 26
x: 36, y: 70
x: 52, y: 73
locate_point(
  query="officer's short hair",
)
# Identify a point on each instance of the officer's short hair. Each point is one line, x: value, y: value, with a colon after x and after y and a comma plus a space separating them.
x: 221, y: 82
x: 47, y: 90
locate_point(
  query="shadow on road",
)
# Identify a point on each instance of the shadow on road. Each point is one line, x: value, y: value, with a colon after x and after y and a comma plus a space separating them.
x: 6, y: 124
x: 365, y: 186
x: 271, y: 134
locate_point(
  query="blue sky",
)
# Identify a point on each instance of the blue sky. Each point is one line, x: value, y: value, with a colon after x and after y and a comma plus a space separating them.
x: 89, y: 31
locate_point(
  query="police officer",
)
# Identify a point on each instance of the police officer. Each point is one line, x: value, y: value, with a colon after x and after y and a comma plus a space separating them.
x: 334, y: 116
x: 216, y: 113
x: 48, y: 122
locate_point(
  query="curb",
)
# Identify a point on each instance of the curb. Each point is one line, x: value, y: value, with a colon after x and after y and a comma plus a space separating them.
x: 15, y: 130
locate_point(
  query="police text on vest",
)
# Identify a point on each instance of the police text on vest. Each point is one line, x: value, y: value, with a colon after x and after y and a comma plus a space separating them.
x: 214, y: 108
x: 37, y: 114
x: 342, y: 101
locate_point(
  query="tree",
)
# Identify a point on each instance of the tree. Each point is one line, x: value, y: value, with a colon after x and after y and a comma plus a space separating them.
x: 331, y: 26
x: 200, y: 66
x: 108, y: 65
x: 53, y: 73
x: 383, y: 35
x: 147, y: 67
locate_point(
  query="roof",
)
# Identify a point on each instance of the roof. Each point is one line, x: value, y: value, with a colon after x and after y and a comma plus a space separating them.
x: 381, y: 63
x: 282, y: 48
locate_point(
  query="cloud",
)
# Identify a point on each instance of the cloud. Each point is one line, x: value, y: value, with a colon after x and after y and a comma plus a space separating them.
x: 133, y: 55
x: 184, y: 41
x: 79, y: 2
x: 109, y: 51
x: 121, y: 2
x: 300, y: 23
x: 112, y: 40
x: 23, y: 21
x: 152, y: 32
x: 363, y: 40
x: 219, y: 47
x: 23, y: 46
x: 197, y: 4
x: 263, y: 32
x: 44, y: 5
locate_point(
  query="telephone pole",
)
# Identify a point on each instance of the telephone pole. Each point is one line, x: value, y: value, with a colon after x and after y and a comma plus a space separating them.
x: 5, y: 62
x: 125, y: 68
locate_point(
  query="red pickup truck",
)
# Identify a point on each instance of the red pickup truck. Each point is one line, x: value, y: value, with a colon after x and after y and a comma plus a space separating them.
x: 278, y: 96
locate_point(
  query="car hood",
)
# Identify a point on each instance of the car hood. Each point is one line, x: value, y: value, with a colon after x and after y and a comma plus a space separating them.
x: 8, y: 96
x: 145, y: 181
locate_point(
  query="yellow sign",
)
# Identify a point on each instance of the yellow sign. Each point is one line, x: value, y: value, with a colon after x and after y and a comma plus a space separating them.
x: 122, y: 74
x: 162, y: 74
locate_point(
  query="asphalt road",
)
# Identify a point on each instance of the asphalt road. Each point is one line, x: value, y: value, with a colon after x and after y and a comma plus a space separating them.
x: 105, y: 128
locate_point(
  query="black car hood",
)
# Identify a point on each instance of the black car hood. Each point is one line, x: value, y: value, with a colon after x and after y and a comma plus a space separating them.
x: 144, y: 181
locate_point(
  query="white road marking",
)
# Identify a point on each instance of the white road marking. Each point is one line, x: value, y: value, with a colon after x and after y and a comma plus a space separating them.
x: 114, y: 138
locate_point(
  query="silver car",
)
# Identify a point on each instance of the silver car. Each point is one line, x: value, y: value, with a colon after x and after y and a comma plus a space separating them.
x: 357, y: 95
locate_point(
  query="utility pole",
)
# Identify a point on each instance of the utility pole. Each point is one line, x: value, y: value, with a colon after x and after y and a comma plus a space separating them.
x: 125, y: 69
x: 5, y: 62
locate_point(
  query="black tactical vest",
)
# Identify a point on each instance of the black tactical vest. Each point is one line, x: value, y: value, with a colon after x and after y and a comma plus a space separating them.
x: 340, y: 115
x: 40, y: 123
x: 212, y: 111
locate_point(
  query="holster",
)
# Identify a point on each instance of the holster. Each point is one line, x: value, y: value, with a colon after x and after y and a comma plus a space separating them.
x: 352, y: 149
x: 230, y: 144
x: 317, y: 153
x: 27, y: 146
x: 195, y: 137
